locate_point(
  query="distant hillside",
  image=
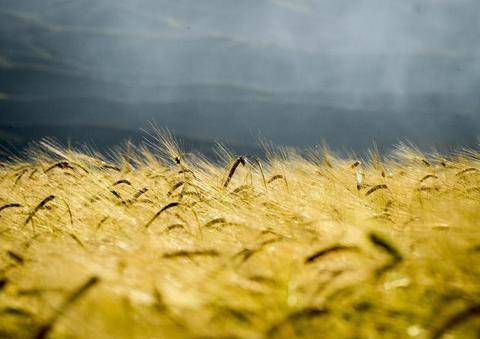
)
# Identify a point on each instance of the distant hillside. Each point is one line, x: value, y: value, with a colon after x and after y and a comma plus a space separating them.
x: 14, y: 140
x: 239, y: 122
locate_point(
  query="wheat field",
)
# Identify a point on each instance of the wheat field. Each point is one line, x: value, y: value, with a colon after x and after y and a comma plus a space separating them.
x: 162, y: 244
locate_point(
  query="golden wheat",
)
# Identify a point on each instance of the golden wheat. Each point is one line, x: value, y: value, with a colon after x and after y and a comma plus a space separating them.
x: 153, y: 245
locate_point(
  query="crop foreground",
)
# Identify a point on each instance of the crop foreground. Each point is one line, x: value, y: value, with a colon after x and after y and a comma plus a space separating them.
x: 164, y: 245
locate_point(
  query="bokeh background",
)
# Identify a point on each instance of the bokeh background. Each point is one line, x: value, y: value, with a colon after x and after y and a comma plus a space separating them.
x: 296, y: 72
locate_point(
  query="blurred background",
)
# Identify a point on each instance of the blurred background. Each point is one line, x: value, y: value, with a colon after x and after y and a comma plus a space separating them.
x: 296, y: 72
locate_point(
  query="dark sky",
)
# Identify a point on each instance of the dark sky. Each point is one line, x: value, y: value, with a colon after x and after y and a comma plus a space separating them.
x: 396, y: 58
x: 361, y: 45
